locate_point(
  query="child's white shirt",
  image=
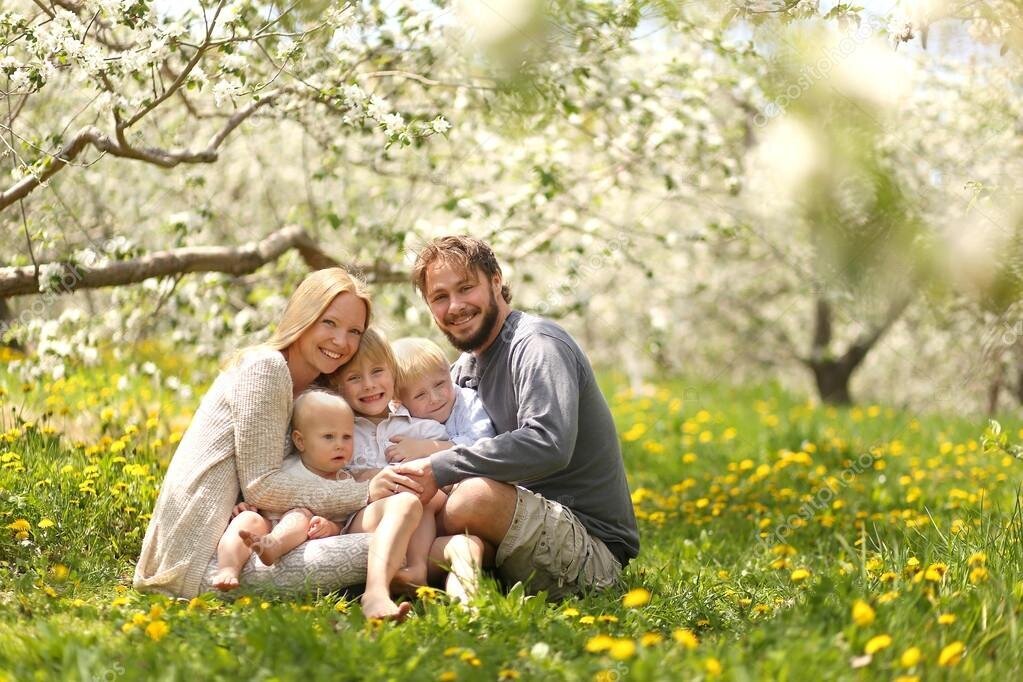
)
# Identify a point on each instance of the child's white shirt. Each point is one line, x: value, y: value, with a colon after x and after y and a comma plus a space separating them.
x: 371, y: 440
x: 468, y: 421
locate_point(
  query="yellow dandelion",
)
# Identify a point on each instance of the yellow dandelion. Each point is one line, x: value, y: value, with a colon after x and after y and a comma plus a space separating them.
x: 20, y: 526
x: 607, y: 619
x: 447, y: 676
x: 46, y: 523
x: 712, y: 666
x: 599, y: 643
x: 427, y: 594
x: 976, y: 559
x: 570, y: 612
x: 452, y: 651
x: 686, y: 638
x: 910, y: 657
x: 935, y: 572
x: 622, y: 649
x: 978, y: 574
x: 799, y: 575
x: 587, y: 620
x: 157, y: 630
x: 951, y: 654
x: 197, y: 604
x: 507, y: 674
x: 636, y: 598
x: 877, y: 643
x: 946, y: 618
x: 59, y: 572
x: 651, y: 639
x: 862, y: 613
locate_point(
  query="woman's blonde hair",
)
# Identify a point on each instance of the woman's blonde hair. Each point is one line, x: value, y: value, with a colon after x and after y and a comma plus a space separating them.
x: 307, y: 303
x: 415, y: 356
x: 373, y: 348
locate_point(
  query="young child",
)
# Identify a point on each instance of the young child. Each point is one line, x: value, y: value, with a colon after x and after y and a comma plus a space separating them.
x: 367, y: 382
x: 323, y: 434
x: 426, y: 390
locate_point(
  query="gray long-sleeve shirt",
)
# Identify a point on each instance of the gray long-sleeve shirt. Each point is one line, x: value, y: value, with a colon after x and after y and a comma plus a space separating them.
x: 555, y: 436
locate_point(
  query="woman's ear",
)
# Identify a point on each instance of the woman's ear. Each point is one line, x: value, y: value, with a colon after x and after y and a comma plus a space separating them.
x: 296, y: 438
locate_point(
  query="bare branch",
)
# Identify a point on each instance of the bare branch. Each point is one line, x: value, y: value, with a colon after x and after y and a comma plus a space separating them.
x: 91, y: 135
x: 232, y: 260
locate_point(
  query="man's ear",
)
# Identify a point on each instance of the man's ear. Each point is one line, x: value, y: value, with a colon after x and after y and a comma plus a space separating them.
x: 298, y: 440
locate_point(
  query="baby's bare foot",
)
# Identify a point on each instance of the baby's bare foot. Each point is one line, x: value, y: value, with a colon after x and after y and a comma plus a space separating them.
x: 226, y: 579
x: 384, y: 609
x: 263, y: 545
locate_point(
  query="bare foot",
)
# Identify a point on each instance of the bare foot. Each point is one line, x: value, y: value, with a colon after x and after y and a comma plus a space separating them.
x: 384, y: 609
x: 263, y: 545
x: 226, y: 579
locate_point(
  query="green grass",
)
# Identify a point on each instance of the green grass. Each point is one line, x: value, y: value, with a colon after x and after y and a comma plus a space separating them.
x: 879, y: 497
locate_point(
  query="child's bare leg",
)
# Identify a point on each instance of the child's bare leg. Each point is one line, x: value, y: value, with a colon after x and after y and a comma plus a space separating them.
x: 392, y: 521
x: 462, y: 556
x: 232, y: 552
x: 289, y: 533
x: 417, y: 558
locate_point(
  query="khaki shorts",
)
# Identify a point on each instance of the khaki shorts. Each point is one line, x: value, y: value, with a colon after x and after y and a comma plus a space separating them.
x: 548, y: 548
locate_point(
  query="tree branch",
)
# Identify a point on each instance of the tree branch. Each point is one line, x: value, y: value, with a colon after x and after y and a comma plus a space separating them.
x: 91, y: 135
x: 232, y: 260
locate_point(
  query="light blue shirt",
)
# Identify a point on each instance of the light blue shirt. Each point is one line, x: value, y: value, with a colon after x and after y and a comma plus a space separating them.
x: 468, y: 421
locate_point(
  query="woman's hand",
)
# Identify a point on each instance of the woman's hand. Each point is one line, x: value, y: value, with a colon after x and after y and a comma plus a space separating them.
x: 389, y: 482
x: 320, y: 527
x: 243, y: 506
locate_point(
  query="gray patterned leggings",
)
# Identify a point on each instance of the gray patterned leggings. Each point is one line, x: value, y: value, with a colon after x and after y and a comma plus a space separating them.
x: 314, y: 567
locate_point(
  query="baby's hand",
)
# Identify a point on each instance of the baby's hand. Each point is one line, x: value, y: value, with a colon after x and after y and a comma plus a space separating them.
x: 405, y: 448
x: 320, y: 527
x: 242, y: 506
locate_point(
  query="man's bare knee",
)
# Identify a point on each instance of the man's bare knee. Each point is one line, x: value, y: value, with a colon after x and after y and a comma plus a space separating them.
x: 480, y: 506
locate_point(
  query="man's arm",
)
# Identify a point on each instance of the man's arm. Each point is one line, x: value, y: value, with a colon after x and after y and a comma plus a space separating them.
x: 546, y: 377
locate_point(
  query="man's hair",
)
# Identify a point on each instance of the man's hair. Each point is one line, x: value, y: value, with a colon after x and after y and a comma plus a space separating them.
x: 414, y: 357
x: 469, y: 253
x: 373, y: 348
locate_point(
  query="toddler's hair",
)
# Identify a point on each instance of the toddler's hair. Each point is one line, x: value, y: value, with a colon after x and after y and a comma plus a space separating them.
x: 373, y: 348
x: 414, y: 356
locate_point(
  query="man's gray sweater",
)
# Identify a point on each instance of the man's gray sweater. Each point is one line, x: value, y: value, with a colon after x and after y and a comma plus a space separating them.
x: 555, y: 436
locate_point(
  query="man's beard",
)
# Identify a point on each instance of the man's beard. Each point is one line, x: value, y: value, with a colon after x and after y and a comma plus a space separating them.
x: 480, y: 337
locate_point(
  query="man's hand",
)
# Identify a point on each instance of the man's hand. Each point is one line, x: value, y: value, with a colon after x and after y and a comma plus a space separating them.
x: 242, y: 506
x: 389, y: 482
x: 320, y: 527
x: 421, y: 471
x: 405, y: 448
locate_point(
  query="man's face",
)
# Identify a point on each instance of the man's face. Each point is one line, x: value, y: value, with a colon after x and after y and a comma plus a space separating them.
x: 463, y: 304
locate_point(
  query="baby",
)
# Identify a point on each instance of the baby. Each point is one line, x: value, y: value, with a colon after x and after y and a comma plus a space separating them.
x: 323, y: 433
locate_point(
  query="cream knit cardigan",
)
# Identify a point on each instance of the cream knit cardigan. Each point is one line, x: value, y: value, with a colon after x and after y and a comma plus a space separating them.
x: 236, y: 441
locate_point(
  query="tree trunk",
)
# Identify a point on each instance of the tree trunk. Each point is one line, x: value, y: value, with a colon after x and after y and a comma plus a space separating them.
x: 833, y: 381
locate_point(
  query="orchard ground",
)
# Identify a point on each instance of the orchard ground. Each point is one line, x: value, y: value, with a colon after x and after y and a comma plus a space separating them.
x: 781, y: 539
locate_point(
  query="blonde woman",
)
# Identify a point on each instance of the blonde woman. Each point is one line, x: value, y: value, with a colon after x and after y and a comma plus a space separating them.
x: 236, y: 444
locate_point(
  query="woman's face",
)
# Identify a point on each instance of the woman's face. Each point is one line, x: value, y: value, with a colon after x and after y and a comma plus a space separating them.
x: 333, y: 339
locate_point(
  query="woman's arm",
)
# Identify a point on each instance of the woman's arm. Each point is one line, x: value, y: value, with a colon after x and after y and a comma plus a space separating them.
x: 261, y: 409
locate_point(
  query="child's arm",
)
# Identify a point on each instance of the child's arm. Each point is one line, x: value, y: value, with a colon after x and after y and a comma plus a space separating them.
x: 405, y: 448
